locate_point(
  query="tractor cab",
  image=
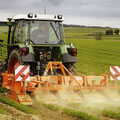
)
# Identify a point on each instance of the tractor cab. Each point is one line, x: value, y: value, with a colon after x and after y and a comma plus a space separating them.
x: 38, y: 29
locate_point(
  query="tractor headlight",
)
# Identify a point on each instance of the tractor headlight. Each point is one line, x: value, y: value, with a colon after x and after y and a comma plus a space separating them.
x: 26, y: 43
x: 71, y: 44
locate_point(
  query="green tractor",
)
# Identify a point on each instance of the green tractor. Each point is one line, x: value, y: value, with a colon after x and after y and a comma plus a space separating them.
x: 35, y: 40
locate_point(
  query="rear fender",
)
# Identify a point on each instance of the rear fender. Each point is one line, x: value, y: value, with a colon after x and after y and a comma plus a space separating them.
x: 26, y: 58
x: 66, y: 57
x: 30, y: 56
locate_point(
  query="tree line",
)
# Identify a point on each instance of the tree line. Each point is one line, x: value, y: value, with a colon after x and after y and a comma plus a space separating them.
x: 98, y: 34
x: 111, y: 32
x: 72, y: 25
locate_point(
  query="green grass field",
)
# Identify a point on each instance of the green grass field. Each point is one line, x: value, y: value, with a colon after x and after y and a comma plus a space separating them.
x: 94, y: 56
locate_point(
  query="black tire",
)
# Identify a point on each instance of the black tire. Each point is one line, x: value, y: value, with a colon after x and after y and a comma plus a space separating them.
x: 71, y: 68
x: 14, y: 60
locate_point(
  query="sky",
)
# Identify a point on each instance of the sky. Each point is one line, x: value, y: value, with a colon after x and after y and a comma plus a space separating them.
x: 81, y: 12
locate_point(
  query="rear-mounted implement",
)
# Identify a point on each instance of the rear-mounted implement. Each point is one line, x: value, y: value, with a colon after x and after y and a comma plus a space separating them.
x: 21, y: 85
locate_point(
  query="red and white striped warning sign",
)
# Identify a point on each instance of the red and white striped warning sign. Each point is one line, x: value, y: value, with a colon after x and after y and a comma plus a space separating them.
x: 22, y: 69
x: 114, y: 72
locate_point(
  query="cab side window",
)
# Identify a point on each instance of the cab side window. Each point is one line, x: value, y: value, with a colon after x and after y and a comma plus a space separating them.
x: 20, y: 34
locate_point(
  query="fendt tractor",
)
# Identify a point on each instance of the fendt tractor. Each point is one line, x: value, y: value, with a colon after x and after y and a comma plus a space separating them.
x: 35, y: 40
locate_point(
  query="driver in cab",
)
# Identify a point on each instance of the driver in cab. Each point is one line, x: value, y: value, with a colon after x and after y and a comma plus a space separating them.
x: 40, y: 32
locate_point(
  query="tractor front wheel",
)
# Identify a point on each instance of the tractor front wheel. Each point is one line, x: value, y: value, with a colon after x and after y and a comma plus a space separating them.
x: 14, y: 61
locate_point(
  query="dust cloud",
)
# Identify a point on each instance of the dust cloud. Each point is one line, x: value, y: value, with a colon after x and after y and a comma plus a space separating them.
x: 84, y: 100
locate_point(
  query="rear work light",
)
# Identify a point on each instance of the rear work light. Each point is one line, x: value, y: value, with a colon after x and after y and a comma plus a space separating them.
x: 24, y: 51
x: 72, y: 51
x: 30, y: 15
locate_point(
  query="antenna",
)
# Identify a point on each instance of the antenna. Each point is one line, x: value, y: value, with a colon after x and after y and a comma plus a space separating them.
x: 45, y: 10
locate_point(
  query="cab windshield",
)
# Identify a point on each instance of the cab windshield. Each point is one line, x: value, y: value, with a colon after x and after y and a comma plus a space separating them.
x: 40, y: 32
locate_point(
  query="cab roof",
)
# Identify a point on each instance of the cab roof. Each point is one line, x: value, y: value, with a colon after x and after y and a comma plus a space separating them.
x: 31, y: 16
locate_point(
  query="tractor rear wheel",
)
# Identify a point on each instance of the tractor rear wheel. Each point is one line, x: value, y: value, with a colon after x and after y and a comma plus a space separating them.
x: 71, y: 68
x: 14, y: 61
